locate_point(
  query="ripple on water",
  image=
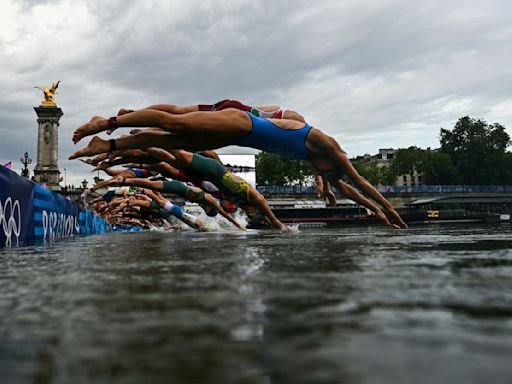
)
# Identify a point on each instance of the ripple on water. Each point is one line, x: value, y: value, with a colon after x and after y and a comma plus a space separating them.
x: 355, y: 305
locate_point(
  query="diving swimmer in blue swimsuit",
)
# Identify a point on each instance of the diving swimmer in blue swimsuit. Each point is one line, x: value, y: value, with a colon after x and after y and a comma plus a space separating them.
x: 198, y: 131
x: 269, y: 137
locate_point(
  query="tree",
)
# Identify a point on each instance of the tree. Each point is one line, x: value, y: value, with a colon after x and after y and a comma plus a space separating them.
x: 439, y: 169
x: 408, y: 160
x: 374, y: 174
x: 272, y: 169
x: 478, y: 151
x: 434, y: 166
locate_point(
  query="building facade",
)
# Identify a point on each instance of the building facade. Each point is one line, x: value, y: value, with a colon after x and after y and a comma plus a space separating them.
x: 385, y: 158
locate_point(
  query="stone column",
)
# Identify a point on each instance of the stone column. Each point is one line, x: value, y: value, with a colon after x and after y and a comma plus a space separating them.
x: 47, y: 168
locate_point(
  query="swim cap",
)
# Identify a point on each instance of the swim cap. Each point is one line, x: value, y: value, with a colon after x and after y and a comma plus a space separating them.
x: 210, y: 211
x: 228, y: 206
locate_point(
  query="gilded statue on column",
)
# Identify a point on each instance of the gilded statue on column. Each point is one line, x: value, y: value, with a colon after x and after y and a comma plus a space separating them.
x: 49, y: 95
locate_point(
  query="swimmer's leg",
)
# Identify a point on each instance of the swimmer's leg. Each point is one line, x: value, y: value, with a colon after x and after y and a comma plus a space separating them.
x: 187, y: 218
x: 227, y: 123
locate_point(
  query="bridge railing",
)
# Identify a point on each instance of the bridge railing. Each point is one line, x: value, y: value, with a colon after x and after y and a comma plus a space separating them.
x: 276, y: 189
x: 269, y: 190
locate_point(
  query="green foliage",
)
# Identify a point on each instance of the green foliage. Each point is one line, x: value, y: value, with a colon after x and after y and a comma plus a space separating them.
x: 374, y: 174
x: 473, y: 152
x: 409, y: 159
x: 478, y: 151
x: 272, y: 169
x: 434, y: 166
x: 438, y: 169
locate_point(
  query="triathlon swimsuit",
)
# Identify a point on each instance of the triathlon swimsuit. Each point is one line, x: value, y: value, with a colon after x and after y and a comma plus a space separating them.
x: 203, y: 184
x: 181, y: 189
x: 109, y: 195
x: 176, y: 211
x: 224, y: 104
x: 265, y: 135
x: 213, y: 171
x: 142, y: 173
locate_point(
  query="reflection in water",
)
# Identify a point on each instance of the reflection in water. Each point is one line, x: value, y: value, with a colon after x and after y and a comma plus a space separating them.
x: 251, y: 328
x: 361, y: 305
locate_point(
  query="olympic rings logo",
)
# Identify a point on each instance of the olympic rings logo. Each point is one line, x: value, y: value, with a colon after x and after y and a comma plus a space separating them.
x: 12, y: 225
x: 58, y: 225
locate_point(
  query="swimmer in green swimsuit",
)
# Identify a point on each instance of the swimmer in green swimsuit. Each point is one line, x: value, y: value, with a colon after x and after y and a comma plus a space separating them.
x: 158, y: 201
x: 233, y: 187
x: 127, y: 173
x: 193, y: 194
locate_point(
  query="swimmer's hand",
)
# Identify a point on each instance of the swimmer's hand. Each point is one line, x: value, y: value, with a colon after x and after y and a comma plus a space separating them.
x: 201, y: 227
x: 395, y: 218
x: 330, y: 198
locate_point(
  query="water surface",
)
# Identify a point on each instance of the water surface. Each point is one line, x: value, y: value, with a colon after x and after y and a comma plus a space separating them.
x: 358, y: 305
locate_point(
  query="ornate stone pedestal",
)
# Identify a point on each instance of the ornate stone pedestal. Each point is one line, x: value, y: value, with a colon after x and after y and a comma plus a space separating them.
x: 47, y: 168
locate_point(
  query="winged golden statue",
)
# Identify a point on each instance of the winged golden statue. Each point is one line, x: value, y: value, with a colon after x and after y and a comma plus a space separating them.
x: 49, y: 94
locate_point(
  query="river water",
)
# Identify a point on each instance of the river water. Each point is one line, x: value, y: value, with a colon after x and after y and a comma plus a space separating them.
x: 360, y: 305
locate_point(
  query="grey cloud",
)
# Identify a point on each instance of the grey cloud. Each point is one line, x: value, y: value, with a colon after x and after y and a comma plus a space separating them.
x: 372, y: 74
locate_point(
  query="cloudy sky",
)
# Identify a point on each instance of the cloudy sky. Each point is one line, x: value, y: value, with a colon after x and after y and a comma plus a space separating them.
x: 373, y: 74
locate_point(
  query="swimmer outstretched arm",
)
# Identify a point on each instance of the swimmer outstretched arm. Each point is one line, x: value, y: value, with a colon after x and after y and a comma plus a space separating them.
x: 262, y: 204
x: 369, y: 190
x: 159, y: 186
x: 353, y: 194
x: 221, y: 210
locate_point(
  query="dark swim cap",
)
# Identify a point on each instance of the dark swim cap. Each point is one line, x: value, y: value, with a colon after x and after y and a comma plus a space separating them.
x: 210, y: 210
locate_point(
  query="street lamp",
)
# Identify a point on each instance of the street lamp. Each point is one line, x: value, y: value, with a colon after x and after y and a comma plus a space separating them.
x: 25, y: 160
x: 84, y: 184
x: 65, y: 184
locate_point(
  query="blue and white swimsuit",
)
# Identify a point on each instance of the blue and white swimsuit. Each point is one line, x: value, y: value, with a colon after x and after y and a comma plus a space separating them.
x: 268, y: 137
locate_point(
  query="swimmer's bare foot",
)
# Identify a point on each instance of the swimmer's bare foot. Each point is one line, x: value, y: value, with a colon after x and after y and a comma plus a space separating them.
x: 102, y: 166
x: 96, y: 125
x: 85, y: 193
x: 98, y: 159
x: 95, y: 147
